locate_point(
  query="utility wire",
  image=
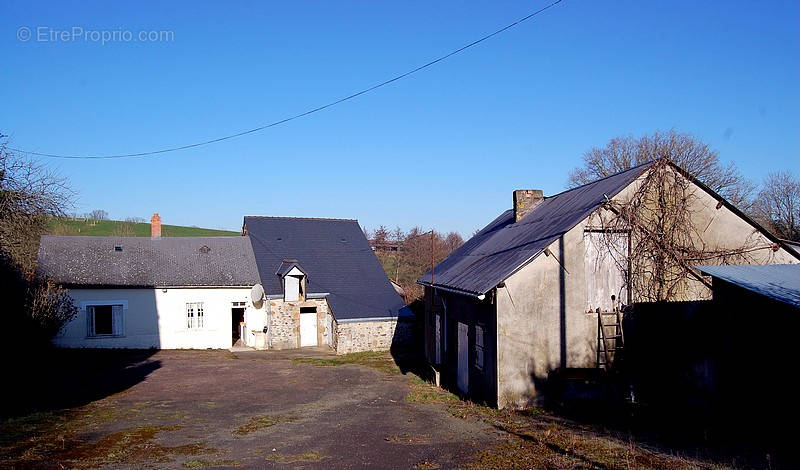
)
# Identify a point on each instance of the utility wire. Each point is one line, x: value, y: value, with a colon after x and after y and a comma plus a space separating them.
x: 303, y: 114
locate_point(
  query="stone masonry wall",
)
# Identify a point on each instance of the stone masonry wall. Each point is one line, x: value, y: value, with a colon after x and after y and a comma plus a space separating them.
x: 372, y: 335
x: 284, y: 323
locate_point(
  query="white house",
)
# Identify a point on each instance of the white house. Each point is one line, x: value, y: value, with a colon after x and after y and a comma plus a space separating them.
x: 216, y: 292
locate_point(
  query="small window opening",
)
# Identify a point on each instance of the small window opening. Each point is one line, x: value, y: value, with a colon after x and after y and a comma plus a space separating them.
x: 117, y: 247
x: 308, y: 309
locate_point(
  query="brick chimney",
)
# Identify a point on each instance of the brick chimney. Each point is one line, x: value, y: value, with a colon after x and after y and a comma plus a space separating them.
x: 155, y: 226
x: 525, y: 200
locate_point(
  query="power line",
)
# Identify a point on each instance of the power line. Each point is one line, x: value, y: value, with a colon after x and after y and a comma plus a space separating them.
x: 303, y: 114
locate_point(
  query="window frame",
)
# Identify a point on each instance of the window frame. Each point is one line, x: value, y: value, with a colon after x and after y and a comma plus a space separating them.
x: 196, y: 320
x: 117, y: 325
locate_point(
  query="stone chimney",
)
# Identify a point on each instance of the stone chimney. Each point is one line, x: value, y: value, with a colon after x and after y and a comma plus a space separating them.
x: 155, y: 226
x: 525, y: 200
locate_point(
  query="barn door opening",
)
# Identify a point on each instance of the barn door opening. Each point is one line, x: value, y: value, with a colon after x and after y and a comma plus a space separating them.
x: 463, y: 357
x: 606, y: 265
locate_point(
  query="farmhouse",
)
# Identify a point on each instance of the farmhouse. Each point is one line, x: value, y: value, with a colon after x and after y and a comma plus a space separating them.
x: 540, y: 289
x: 286, y: 283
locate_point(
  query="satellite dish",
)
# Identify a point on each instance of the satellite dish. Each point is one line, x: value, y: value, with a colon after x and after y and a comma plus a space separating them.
x: 257, y: 295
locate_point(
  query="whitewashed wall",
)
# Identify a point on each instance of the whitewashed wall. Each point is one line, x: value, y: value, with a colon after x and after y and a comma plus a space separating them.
x: 153, y: 318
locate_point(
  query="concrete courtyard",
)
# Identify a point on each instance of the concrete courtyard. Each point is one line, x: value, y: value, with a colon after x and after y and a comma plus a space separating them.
x: 291, y: 409
x: 86, y: 409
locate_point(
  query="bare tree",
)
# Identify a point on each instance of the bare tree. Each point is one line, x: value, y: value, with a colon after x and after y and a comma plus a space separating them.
x: 30, y: 193
x: 98, y: 214
x: 777, y: 205
x: 380, y: 236
x: 665, y: 242
x: 453, y: 240
x: 416, y: 250
x: 695, y: 157
x: 49, y: 307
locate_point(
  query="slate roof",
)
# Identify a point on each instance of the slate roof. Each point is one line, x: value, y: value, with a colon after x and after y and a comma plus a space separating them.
x: 287, y: 265
x: 336, y: 257
x: 780, y: 282
x: 148, y: 262
x: 503, y: 246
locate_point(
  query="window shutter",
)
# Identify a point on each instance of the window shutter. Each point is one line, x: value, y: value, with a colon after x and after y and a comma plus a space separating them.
x: 116, y: 318
x: 89, y: 321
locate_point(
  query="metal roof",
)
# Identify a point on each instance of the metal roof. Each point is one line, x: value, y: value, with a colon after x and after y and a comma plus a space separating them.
x: 147, y: 262
x: 780, y: 282
x: 504, y: 246
x: 336, y: 257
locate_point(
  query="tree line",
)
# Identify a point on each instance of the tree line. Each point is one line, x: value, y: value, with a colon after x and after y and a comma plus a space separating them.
x: 407, y: 255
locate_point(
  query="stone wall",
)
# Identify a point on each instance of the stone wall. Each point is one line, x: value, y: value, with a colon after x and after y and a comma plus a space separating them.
x: 372, y: 335
x: 284, y: 323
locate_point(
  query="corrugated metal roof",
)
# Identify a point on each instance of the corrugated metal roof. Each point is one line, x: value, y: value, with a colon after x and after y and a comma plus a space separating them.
x: 336, y: 257
x: 792, y: 245
x: 148, y: 262
x: 776, y: 281
x: 503, y: 246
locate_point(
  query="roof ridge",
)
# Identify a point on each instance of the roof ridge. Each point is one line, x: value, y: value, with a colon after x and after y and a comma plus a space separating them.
x: 601, y: 179
x: 114, y: 237
x: 297, y: 218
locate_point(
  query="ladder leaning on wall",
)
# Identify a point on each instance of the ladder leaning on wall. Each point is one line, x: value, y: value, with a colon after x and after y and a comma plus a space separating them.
x: 609, y: 344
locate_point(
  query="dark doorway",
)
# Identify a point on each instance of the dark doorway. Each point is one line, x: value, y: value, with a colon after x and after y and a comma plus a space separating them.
x: 237, y: 317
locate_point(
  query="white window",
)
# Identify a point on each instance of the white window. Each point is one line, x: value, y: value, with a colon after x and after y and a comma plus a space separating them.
x: 104, y: 320
x: 194, y: 315
x: 479, y: 347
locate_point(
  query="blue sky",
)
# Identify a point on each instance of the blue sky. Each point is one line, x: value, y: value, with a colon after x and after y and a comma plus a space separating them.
x: 443, y: 148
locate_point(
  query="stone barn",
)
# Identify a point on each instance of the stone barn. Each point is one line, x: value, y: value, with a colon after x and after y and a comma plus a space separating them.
x: 541, y: 288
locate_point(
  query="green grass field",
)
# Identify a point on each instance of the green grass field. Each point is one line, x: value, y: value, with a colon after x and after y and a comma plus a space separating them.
x: 99, y: 228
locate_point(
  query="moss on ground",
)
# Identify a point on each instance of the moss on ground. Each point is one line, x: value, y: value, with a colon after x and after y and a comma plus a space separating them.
x: 294, y: 458
x: 381, y: 361
x: 537, y: 439
x: 256, y: 423
x: 425, y: 392
x: 200, y: 463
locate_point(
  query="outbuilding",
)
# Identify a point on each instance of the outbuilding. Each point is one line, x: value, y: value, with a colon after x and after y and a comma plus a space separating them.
x: 541, y: 288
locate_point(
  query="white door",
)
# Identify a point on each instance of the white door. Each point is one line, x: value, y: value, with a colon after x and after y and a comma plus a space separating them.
x: 308, y: 329
x: 463, y: 357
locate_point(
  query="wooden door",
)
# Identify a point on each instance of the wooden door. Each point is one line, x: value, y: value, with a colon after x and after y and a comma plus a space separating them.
x: 463, y: 357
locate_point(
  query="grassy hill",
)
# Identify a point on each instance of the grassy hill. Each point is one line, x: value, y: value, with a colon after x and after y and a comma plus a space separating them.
x: 99, y: 228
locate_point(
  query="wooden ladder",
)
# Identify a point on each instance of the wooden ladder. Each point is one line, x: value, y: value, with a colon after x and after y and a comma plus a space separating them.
x: 609, y: 345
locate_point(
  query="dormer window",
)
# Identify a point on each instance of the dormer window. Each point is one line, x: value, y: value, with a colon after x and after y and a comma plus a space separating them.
x: 293, y: 285
x: 294, y: 280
